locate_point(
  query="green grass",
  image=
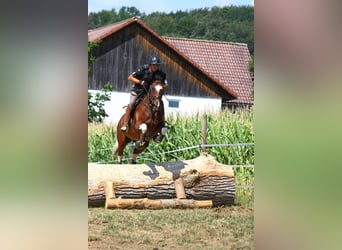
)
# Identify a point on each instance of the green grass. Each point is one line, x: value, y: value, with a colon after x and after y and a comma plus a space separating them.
x: 219, y: 228
x: 101, y: 139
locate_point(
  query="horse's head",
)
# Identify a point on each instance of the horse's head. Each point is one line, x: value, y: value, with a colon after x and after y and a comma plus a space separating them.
x: 156, y: 93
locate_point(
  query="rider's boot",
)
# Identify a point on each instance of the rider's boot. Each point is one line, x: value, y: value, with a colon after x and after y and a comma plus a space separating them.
x: 127, y: 117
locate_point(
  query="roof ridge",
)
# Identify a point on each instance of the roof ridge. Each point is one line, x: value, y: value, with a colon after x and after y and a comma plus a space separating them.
x: 204, y: 40
x: 116, y: 23
x: 113, y: 27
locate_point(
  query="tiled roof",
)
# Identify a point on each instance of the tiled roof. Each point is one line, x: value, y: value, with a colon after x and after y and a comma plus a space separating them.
x: 102, y: 32
x: 227, y: 62
x: 224, y: 62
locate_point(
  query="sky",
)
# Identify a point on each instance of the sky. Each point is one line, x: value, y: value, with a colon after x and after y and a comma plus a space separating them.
x: 149, y: 6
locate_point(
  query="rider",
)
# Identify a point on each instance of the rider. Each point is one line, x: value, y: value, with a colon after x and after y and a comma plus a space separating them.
x: 142, y: 79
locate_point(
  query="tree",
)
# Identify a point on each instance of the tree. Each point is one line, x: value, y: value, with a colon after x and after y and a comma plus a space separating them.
x: 127, y: 12
x: 91, y: 57
x: 96, y: 112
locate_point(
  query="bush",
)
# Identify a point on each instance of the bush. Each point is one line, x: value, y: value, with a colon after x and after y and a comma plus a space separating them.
x: 96, y: 112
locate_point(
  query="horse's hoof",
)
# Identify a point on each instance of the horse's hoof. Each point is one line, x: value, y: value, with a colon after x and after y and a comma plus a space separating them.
x: 158, y: 138
x: 139, y: 144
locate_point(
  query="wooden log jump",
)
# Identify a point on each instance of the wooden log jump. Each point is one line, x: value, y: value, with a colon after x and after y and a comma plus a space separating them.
x: 113, y: 202
x: 199, y: 182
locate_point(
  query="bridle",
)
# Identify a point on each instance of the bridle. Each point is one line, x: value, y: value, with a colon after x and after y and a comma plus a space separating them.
x: 152, y: 98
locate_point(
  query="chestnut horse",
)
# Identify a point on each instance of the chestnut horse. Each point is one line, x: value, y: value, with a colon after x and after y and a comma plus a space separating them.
x: 145, y: 124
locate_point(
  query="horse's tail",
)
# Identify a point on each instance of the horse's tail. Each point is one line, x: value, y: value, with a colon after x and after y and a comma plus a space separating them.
x: 115, y: 148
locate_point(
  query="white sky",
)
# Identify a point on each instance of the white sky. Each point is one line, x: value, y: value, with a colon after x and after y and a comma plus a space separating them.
x: 166, y: 6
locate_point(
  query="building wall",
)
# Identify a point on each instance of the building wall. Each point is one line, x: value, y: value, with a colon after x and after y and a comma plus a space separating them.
x: 187, y: 105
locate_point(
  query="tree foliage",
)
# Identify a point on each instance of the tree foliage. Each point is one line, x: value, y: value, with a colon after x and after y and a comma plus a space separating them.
x: 91, y: 57
x: 230, y: 23
x: 105, y: 17
x: 96, y: 111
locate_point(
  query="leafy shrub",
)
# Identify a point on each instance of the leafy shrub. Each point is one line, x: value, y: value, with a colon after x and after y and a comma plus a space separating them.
x: 96, y: 112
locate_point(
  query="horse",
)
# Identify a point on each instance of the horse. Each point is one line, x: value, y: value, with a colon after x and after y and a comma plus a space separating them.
x: 145, y: 124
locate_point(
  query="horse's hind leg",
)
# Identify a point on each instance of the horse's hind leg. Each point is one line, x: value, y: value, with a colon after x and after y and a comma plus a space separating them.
x: 119, y: 148
x: 117, y: 151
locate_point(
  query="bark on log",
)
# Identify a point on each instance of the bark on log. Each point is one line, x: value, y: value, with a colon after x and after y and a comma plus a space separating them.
x: 112, y: 202
x: 203, y: 179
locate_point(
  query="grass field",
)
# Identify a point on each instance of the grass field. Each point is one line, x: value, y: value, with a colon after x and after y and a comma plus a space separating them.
x: 217, y: 228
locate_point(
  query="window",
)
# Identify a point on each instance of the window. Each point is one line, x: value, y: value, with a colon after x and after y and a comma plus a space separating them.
x: 173, y: 103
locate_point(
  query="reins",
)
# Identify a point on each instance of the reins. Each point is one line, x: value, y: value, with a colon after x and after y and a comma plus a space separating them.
x: 151, y: 98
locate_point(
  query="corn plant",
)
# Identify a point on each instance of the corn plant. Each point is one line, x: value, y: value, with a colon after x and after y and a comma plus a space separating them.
x: 185, y: 132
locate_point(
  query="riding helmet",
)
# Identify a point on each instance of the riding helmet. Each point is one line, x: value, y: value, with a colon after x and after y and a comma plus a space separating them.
x: 154, y: 59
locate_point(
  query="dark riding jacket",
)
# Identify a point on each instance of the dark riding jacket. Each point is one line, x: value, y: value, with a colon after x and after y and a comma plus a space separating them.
x: 143, y: 74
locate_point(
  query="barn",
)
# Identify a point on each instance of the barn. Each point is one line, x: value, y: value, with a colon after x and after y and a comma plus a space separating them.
x: 202, y: 75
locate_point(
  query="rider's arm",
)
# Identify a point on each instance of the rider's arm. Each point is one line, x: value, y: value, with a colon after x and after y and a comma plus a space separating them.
x: 133, y: 79
x: 163, y: 79
x: 137, y: 76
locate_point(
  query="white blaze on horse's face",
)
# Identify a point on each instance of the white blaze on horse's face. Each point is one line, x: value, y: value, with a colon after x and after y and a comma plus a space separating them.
x: 159, y: 88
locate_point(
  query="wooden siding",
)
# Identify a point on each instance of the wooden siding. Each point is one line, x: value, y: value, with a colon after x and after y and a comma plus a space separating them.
x: 125, y: 50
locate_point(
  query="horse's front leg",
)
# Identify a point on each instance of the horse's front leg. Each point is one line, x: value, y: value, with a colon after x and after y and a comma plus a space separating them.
x: 137, y: 151
x: 141, y: 142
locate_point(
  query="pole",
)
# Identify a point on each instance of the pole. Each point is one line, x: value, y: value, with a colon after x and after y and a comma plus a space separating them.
x: 204, y: 133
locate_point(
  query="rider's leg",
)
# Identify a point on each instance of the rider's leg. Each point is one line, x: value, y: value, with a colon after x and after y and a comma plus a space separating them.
x: 128, y: 114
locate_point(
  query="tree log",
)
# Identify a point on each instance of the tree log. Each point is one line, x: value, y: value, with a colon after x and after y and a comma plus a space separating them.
x: 203, y: 179
x: 113, y: 202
